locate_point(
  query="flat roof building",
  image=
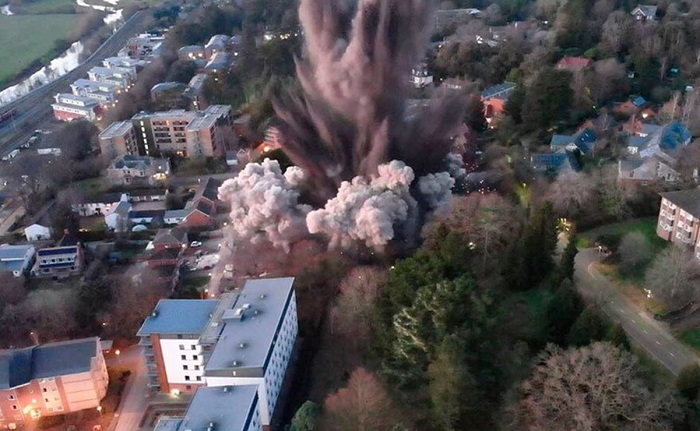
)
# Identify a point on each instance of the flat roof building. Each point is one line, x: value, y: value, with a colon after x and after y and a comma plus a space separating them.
x: 118, y: 139
x: 69, y: 107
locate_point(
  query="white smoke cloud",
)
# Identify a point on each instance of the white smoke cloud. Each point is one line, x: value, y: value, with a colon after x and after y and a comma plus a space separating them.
x: 436, y: 189
x: 367, y: 211
x: 264, y: 204
x: 294, y: 176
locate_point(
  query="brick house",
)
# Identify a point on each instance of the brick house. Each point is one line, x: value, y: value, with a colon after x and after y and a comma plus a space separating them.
x: 679, y: 218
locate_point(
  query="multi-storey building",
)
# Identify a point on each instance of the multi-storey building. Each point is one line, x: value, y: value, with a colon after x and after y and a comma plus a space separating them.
x: 118, y: 139
x: 679, y: 218
x: 102, y: 92
x: 50, y: 379
x: 70, y: 107
x: 244, y: 338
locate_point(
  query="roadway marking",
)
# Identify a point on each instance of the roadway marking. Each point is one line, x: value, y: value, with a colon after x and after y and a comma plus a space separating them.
x: 658, y: 342
x: 595, y: 277
x: 633, y: 321
x: 645, y: 331
x: 621, y: 310
x: 671, y: 353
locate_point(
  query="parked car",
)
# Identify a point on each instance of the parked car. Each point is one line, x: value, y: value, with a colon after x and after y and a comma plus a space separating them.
x: 196, y: 244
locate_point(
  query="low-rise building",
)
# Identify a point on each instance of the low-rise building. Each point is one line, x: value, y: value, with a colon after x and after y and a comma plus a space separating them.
x: 583, y: 141
x: 554, y: 163
x: 421, y: 76
x: 99, y: 206
x: 191, y: 53
x: 69, y: 107
x: 117, y: 220
x: 644, y: 13
x: 494, y: 100
x: 679, y: 219
x: 122, y: 77
x: 105, y: 94
x: 173, y: 238
x: 218, y: 62
x: 144, y: 46
x: 62, y: 260
x: 50, y: 379
x: 193, y: 92
x: 573, y: 64
x: 663, y: 141
x: 16, y: 258
x: 37, y: 232
x: 245, y: 338
x: 129, y: 169
x: 174, y: 217
x: 217, y: 44
x: 145, y: 217
x: 636, y: 172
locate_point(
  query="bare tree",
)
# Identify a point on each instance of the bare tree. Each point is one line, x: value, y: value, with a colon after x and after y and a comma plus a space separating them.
x: 634, y: 251
x: 617, y: 31
x: 361, y: 406
x: 674, y: 277
x: 133, y: 301
x: 591, y: 388
x: 571, y: 193
x: 355, y: 307
x: 609, y: 79
x: 547, y: 9
x: 12, y: 289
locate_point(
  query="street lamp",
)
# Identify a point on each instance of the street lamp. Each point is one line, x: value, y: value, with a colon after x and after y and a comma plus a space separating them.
x: 118, y: 352
x: 99, y: 409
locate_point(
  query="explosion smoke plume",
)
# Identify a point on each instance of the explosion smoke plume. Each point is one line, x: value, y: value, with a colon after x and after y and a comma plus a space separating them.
x: 351, y: 114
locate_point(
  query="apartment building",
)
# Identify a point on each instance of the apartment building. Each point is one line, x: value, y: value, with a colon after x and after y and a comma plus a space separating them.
x: 129, y: 169
x: 50, y: 379
x: 679, y: 218
x: 245, y: 338
x: 105, y: 94
x: 207, y: 133
x: 69, y: 107
x: 118, y: 139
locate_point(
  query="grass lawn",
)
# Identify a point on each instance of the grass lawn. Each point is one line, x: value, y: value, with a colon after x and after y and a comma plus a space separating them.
x: 93, y: 186
x: 647, y: 226
x: 691, y: 337
x: 46, y: 7
x: 25, y: 38
x: 195, y: 282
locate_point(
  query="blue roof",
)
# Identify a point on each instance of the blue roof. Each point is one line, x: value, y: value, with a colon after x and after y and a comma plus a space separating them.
x: 19, y: 366
x: 11, y: 265
x: 584, y: 140
x: 638, y: 141
x: 674, y: 136
x: 554, y: 162
x: 146, y: 214
x: 53, y: 251
x: 501, y: 90
x: 639, y: 101
x: 178, y: 316
x: 560, y: 140
x: 14, y: 252
x: 231, y: 408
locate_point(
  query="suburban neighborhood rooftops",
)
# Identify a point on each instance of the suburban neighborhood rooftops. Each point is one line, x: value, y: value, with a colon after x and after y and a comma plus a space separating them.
x: 500, y: 91
x: 53, y: 251
x: 251, y: 323
x: 209, y: 190
x: 554, y: 162
x: 171, y: 236
x: 646, y: 10
x: 14, y: 252
x: 120, y: 128
x: 19, y: 366
x: 178, y: 316
x: 231, y: 408
x: 688, y: 200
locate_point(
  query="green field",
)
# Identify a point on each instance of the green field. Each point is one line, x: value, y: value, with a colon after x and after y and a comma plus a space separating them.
x: 647, y: 226
x: 25, y: 38
x: 691, y: 337
x: 46, y: 7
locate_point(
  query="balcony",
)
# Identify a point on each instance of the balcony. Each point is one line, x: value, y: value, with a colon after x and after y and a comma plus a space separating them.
x: 145, y: 341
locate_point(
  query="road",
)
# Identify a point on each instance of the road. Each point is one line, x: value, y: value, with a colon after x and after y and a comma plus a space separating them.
x: 136, y: 393
x: 34, y: 109
x: 642, y: 329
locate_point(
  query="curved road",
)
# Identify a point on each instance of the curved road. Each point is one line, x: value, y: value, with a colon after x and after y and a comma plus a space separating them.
x: 35, y: 107
x: 653, y: 336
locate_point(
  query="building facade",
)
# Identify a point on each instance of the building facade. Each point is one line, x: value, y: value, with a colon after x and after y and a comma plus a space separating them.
x: 69, y: 107
x: 62, y: 260
x: 118, y: 139
x: 679, y: 219
x: 129, y: 169
x: 51, y: 379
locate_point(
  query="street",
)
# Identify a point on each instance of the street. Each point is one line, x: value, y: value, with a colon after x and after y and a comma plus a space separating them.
x: 135, y: 396
x: 642, y: 329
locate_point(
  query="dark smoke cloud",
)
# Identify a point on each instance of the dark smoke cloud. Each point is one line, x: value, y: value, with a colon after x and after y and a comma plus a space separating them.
x: 350, y: 116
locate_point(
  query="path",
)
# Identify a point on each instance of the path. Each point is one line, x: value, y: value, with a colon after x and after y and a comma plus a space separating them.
x: 653, y: 336
x: 135, y: 396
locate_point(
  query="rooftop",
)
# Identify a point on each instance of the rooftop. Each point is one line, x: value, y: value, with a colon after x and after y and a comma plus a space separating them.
x: 120, y: 128
x: 53, y: 251
x: 171, y: 236
x: 501, y: 91
x: 14, y: 252
x: 251, y: 323
x: 178, y: 316
x: 19, y: 366
x: 688, y: 200
x: 230, y: 408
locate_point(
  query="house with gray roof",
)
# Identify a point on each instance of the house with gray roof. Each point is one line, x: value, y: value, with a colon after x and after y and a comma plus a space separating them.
x: 50, y: 379
x: 644, y: 12
x: 129, y: 169
x: 664, y: 141
x: 16, y: 258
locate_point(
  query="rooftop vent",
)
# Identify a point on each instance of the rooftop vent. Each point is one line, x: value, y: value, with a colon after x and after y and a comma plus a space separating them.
x: 263, y: 296
x: 235, y: 363
x: 242, y: 346
x: 154, y: 313
x: 246, y: 306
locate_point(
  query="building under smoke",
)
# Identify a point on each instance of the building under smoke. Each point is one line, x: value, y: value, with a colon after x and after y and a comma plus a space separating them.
x: 372, y: 172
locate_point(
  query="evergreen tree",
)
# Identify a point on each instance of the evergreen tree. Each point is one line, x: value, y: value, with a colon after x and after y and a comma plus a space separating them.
x: 589, y: 327
x: 305, y: 417
x: 567, y: 265
x: 688, y: 382
x: 562, y: 312
x: 617, y: 337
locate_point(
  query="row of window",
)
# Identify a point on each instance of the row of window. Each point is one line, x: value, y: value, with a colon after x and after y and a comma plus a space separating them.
x: 194, y: 357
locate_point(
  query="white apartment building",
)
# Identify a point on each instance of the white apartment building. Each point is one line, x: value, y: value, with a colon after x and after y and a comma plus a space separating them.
x: 245, y: 338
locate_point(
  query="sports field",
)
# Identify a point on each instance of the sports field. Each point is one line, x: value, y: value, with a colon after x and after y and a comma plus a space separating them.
x: 25, y: 38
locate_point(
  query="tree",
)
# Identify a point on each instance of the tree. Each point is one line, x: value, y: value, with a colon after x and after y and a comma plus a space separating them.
x: 588, y: 327
x: 571, y: 194
x: 608, y: 81
x: 590, y: 388
x: 63, y: 220
x: 354, y: 309
x: 474, y: 117
x: 635, y: 252
x: 617, y: 336
x: 94, y: 295
x: 305, y: 418
x: 617, y: 31
x: 548, y: 100
x: 674, y: 277
x: 361, y: 406
x: 688, y: 382
x: 132, y: 301
x: 567, y: 265
x: 562, y: 312
x: 532, y: 262
x: 181, y: 71
x: 453, y: 390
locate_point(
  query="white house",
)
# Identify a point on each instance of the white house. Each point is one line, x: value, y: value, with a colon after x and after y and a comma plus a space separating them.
x: 37, y: 232
x: 105, y: 204
x: 117, y: 219
x: 16, y: 258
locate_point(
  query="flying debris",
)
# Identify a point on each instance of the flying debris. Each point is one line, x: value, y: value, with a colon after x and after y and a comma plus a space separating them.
x: 371, y: 171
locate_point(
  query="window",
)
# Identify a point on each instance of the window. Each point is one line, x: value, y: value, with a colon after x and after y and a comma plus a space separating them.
x: 14, y: 406
x: 182, y: 347
x: 59, y: 408
x: 199, y: 378
x: 194, y: 357
x: 183, y: 357
x: 193, y: 347
x: 10, y: 397
x: 188, y: 387
x: 196, y: 367
x: 47, y: 400
x: 187, y: 378
x: 179, y: 337
x: 184, y: 367
x: 46, y: 390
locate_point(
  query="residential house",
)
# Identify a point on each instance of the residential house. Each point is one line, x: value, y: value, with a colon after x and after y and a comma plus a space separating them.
x: 219, y: 62
x: 16, y: 258
x: 554, y: 163
x: 129, y: 169
x: 208, y: 190
x: 191, y: 53
x: 583, y: 141
x: 421, y: 76
x: 164, y: 257
x: 245, y: 338
x: 117, y: 220
x: 99, y: 206
x: 573, y: 64
x: 631, y: 106
x: 148, y: 195
x: 146, y: 216
x: 200, y: 216
x: 168, y: 92
x: 171, y: 238
x: 643, y: 172
x: 679, y: 218
x: 174, y: 217
x: 37, y: 232
x: 217, y: 44
x: 494, y: 100
x: 644, y: 13
x: 50, y: 379
x: 61, y: 260
x: 664, y: 141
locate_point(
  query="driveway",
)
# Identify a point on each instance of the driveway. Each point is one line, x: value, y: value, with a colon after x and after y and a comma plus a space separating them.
x: 651, y: 335
x: 136, y: 393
